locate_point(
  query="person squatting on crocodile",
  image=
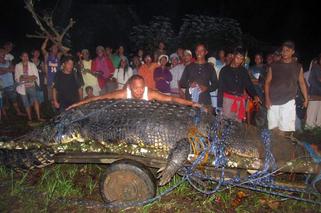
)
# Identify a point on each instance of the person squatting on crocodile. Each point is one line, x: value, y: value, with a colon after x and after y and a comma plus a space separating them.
x: 136, y: 89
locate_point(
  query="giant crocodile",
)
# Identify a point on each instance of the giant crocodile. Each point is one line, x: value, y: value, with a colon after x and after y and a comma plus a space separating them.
x: 150, y: 129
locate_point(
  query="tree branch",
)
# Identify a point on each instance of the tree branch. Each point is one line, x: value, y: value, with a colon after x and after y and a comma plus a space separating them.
x: 30, y: 8
x: 46, y: 22
x: 36, y: 36
x: 71, y: 23
x: 49, y: 23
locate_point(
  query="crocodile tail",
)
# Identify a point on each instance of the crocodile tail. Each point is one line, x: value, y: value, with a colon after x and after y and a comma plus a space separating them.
x: 26, y: 159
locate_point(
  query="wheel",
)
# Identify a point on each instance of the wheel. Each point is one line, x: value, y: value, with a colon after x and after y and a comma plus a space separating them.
x: 127, y: 181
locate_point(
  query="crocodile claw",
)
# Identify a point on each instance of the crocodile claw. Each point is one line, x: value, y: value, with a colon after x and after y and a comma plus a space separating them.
x: 165, y: 176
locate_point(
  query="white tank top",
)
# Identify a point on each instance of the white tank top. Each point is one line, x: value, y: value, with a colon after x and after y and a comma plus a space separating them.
x: 145, y: 95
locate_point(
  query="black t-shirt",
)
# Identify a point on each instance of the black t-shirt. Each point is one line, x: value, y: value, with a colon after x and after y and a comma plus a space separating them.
x: 234, y: 81
x: 284, y: 84
x: 202, y: 74
x: 67, y: 88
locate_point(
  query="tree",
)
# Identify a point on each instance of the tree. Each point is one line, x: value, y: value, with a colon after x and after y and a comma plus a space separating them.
x: 48, y: 28
x: 215, y: 32
x: 148, y: 36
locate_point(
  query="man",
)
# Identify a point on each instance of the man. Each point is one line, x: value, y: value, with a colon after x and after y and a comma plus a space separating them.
x: 26, y: 73
x: 233, y: 83
x: 281, y: 87
x: 137, y: 89
x: 6, y: 77
x: 52, y: 61
x: 66, y: 88
x: 199, y: 78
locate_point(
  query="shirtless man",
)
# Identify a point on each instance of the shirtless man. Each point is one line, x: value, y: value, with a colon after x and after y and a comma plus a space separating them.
x: 136, y: 89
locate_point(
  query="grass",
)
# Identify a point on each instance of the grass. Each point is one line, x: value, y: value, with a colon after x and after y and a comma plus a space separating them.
x: 79, y: 181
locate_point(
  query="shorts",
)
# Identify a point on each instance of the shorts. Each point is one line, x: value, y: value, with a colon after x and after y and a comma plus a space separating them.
x: 40, y: 96
x: 30, y: 97
x: 282, y: 116
x: 10, y: 93
x: 214, y: 98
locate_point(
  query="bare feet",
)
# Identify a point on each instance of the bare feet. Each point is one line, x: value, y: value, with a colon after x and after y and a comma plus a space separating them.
x: 41, y: 119
x: 21, y: 114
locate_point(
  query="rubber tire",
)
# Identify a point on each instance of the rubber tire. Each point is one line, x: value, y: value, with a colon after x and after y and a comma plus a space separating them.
x: 144, y: 180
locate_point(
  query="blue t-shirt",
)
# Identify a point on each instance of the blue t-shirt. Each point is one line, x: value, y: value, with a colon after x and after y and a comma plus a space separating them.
x: 6, y: 78
x: 53, y: 64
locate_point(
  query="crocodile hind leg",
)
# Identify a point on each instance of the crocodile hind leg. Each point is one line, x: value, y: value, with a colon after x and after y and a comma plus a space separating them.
x: 176, y: 159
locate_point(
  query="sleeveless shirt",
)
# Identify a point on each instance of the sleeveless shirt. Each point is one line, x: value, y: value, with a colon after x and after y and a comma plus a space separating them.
x: 145, y: 95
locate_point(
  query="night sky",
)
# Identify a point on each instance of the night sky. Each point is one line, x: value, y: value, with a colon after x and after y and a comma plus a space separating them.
x: 268, y: 21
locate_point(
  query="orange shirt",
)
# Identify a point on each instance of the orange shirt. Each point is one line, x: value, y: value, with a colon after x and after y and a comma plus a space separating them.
x: 147, y: 72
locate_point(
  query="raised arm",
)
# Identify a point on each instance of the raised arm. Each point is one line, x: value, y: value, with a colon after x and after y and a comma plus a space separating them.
x: 44, y: 46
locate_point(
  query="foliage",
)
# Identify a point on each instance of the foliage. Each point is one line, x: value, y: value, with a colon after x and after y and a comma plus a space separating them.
x: 148, y: 36
x: 213, y: 31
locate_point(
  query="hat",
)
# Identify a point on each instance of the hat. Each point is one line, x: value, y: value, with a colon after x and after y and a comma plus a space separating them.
x: 161, y: 56
x: 187, y: 52
x: 211, y: 60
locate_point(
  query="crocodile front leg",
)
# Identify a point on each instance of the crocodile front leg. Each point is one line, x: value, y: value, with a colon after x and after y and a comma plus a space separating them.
x: 176, y: 159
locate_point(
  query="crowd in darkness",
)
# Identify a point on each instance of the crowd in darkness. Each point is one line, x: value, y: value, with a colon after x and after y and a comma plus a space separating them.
x: 228, y: 82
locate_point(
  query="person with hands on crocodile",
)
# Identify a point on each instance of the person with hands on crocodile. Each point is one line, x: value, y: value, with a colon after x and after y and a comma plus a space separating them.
x: 136, y: 89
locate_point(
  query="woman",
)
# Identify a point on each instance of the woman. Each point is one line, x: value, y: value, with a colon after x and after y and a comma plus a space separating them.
x: 136, y: 63
x: 162, y: 76
x: 26, y: 75
x: 122, y: 73
x: 89, y: 78
x: 41, y: 90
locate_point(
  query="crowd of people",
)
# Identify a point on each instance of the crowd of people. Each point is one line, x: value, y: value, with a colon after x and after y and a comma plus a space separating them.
x: 226, y: 82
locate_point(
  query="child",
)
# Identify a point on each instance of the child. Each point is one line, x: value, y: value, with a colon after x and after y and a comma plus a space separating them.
x: 89, y: 92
